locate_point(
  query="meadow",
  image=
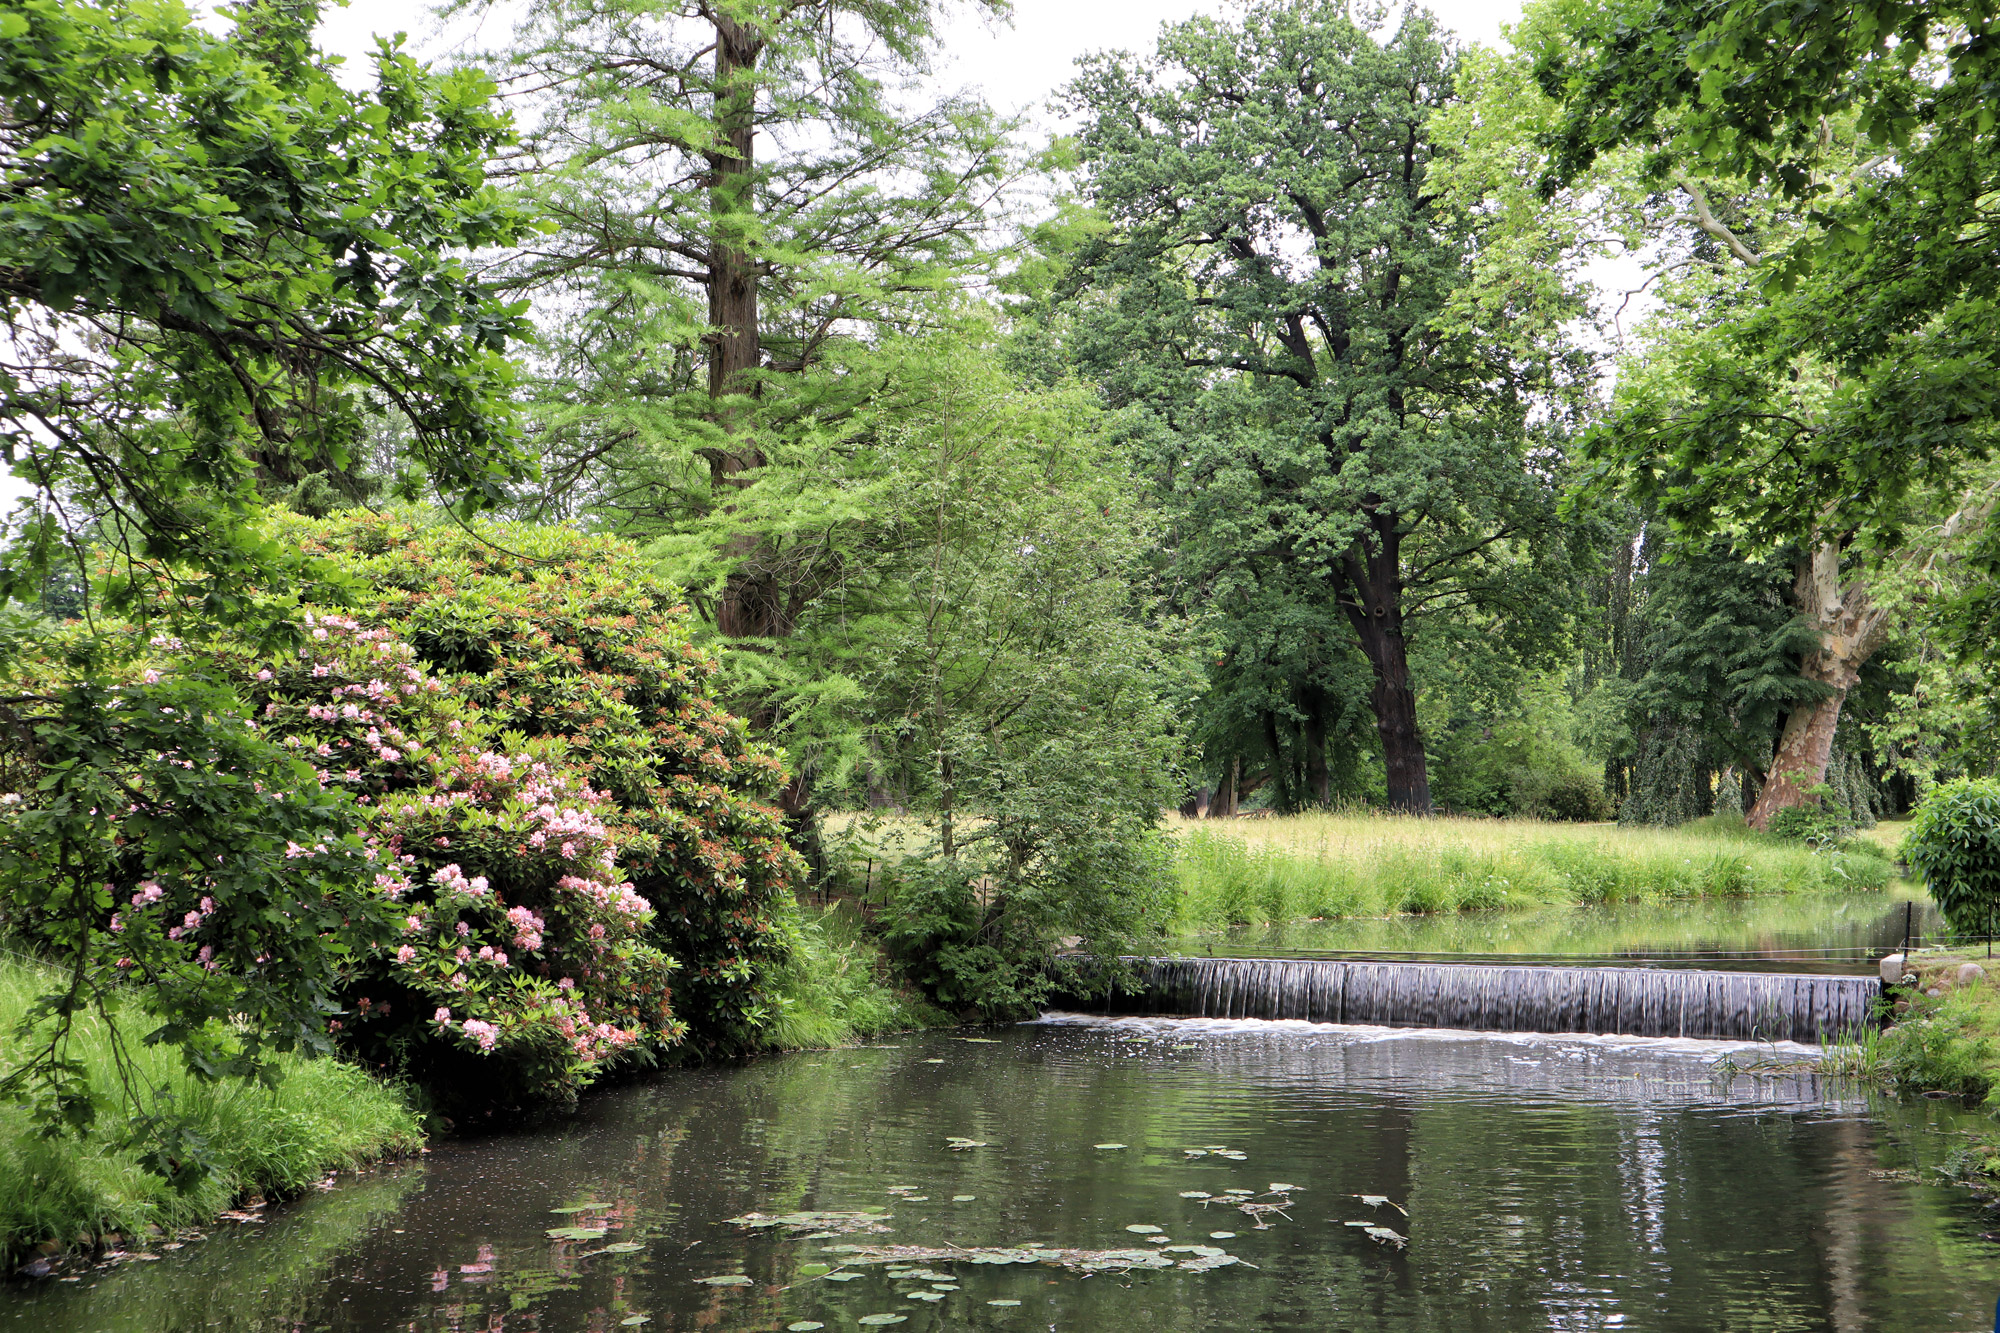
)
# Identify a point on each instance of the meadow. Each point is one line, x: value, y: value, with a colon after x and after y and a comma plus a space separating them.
x: 1310, y: 866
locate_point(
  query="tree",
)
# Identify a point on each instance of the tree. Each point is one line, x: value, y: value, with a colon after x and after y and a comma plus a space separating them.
x: 1277, y: 298
x: 1842, y: 158
x: 217, y: 263
x: 691, y: 261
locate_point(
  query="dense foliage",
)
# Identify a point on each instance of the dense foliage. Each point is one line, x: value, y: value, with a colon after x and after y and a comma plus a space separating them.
x: 1954, y: 844
x: 579, y: 724
x: 218, y: 263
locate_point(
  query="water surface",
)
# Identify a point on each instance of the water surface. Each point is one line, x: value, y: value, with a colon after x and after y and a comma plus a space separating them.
x: 1550, y: 1183
x: 1840, y: 933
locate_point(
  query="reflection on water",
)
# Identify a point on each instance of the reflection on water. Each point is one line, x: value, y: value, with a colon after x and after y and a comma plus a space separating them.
x: 1551, y: 1183
x: 1842, y: 933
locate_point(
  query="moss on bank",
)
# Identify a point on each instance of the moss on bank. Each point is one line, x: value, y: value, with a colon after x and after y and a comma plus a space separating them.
x: 67, y: 1193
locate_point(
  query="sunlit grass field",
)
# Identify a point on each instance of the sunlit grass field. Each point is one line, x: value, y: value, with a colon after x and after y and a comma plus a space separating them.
x: 1304, y: 867
x: 1338, y: 865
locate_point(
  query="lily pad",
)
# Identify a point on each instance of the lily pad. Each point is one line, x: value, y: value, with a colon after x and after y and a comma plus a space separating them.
x: 575, y: 1233
x: 933, y: 1062
x: 963, y: 1198
x: 1195, y: 1152
x: 916, y: 1198
x: 988, y: 1041
x: 1144, y: 1229
x: 1222, y: 1235
x: 814, y: 1270
x: 842, y: 1277
x: 622, y: 1247
x: 1003, y: 1302
x: 879, y: 1320
x: 804, y: 1326
x: 1277, y: 1188
x: 944, y: 1286
x: 582, y: 1208
x: 725, y: 1280
x: 925, y: 1295
x: 959, y: 1143
x: 823, y: 1224
x: 1388, y: 1237
x: 635, y: 1320
x: 1196, y: 1194
x: 1107, y: 1147
x: 1234, y: 1156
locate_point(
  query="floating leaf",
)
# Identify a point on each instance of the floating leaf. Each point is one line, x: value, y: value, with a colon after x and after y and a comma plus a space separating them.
x: 1195, y: 1152
x: 1388, y: 1237
x: 1244, y: 1193
x: 944, y: 1286
x: 1222, y: 1235
x: 1234, y: 1156
x: 959, y: 1143
x: 1277, y: 1188
x: 622, y: 1247
x: 989, y: 1041
x: 1003, y: 1302
x: 822, y: 1224
x: 1107, y: 1146
x: 582, y: 1208
x: 814, y: 1270
x: 925, y: 1295
x: 575, y: 1233
x: 726, y: 1280
x: 916, y: 1198
x: 842, y: 1277
x: 1144, y: 1229
x: 933, y: 1062
x: 963, y: 1198
x: 878, y: 1320
x: 635, y: 1320
x: 803, y: 1326
x: 1196, y: 1194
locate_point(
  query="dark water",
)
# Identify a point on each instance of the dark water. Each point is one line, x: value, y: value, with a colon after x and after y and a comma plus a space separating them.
x: 1551, y: 1183
x: 1834, y: 933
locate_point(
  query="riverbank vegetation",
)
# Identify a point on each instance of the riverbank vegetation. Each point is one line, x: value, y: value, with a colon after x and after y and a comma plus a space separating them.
x: 1357, y: 865
x: 488, y: 528
x: 320, y: 1116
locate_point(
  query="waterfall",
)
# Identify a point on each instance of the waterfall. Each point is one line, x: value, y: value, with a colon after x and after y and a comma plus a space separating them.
x: 1631, y: 1001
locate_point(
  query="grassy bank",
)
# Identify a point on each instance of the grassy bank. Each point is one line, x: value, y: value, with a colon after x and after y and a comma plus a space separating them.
x: 1336, y: 865
x: 323, y: 1115
x: 1944, y: 1034
x: 836, y: 988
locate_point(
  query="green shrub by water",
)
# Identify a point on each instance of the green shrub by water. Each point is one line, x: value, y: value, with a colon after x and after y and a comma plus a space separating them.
x: 1227, y: 879
x: 834, y: 988
x: 324, y: 1114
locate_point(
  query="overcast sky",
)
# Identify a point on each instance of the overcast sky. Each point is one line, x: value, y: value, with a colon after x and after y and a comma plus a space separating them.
x: 1017, y: 65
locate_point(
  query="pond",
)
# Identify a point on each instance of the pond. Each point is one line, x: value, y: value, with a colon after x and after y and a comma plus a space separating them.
x: 1512, y: 1182
x: 1843, y: 932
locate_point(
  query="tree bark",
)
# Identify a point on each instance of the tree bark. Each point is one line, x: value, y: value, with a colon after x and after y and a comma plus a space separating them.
x: 1319, y: 783
x: 1373, y: 599
x: 1851, y: 627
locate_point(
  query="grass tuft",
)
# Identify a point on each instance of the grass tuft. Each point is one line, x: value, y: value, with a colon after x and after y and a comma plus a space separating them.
x: 323, y: 1115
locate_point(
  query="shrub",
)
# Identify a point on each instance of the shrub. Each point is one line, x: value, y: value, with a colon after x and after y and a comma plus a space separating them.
x: 1811, y: 823
x: 1954, y: 844
x: 1577, y: 798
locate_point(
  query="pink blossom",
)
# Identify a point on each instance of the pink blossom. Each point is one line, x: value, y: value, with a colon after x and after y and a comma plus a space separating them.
x: 484, y: 1033
x: 463, y: 929
x: 149, y: 892
x: 116, y: 923
x: 567, y: 983
x: 263, y: 675
x: 151, y: 677
x: 406, y: 955
x: 443, y: 1016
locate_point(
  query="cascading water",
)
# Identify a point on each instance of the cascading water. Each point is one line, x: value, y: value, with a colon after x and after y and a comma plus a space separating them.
x: 1630, y: 1001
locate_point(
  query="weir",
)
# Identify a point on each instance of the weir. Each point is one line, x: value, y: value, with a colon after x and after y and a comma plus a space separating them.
x: 1628, y: 1001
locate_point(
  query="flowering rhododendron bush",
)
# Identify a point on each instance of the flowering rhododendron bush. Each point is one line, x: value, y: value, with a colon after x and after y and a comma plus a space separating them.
x: 533, y: 728
x: 521, y: 965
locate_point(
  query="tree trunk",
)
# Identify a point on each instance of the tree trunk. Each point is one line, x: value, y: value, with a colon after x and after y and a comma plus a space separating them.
x: 1319, y: 783
x: 1373, y: 599
x: 752, y: 603
x: 1851, y: 628
x: 1224, y: 804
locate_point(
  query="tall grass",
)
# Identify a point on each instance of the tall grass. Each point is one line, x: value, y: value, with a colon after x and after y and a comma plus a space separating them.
x: 834, y: 990
x: 1337, y: 865
x: 323, y: 1115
